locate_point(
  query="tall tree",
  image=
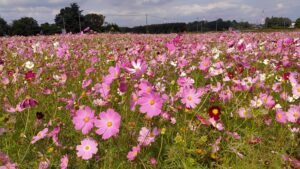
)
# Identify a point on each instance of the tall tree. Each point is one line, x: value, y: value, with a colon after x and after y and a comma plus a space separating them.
x: 49, y: 29
x: 70, y: 18
x: 3, y: 27
x: 94, y: 21
x: 25, y: 26
x: 297, y: 24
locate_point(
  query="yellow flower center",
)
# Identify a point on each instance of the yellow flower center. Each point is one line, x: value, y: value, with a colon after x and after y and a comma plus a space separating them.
x: 39, y: 134
x: 189, y: 98
x: 295, y: 115
x: 215, y: 111
x: 86, y: 119
x: 135, y: 98
x: 279, y: 116
x: 135, y: 153
x: 87, y: 147
x: 148, y: 89
x: 298, y: 90
x: 109, y: 124
x: 115, y: 75
x: 152, y: 102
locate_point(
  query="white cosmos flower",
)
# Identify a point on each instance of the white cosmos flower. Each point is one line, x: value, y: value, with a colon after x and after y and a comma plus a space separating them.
x: 29, y: 65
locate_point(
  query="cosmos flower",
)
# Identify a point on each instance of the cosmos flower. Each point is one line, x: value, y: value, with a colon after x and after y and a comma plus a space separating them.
x: 191, y: 97
x: 84, y: 119
x: 204, y: 64
x: 146, y: 137
x: 29, y: 65
x: 42, y: 134
x: 87, y: 148
x: 293, y: 114
x: 137, y: 68
x: 30, y: 75
x: 214, y: 112
x: 151, y: 104
x: 109, y: 124
x: 281, y: 116
x: 64, y: 162
x: 296, y: 91
x: 244, y: 113
x: 133, y: 153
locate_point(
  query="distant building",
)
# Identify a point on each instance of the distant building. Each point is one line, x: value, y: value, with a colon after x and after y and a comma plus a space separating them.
x: 292, y: 25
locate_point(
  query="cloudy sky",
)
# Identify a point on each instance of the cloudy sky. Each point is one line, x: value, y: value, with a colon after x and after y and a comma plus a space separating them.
x: 132, y: 12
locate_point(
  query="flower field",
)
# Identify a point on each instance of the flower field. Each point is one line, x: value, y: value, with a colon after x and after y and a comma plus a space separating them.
x: 215, y: 100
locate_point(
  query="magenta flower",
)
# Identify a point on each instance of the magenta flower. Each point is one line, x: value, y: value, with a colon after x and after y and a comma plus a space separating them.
x: 133, y: 153
x: 84, y: 119
x: 64, y: 162
x: 137, y: 68
x: 293, y: 114
x: 109, y: 124
x: 133, y: 101
x: 147, y: 137
x: 151, y: 104
x: 42, y: 134
x: 281, y: 116
x: 87, y: 148
x: 268, y: 100
x: 185, y: 81
x: 86, y: 83
x: 190, y: 97
x: 204, y: 64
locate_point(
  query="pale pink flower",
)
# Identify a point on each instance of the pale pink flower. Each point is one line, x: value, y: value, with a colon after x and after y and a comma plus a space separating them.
x: 151, y: 104
x: 87, y: 148
x: 42, y: 134
x: 84, y: 119
x: 190, y: 97
x: 109, y: 124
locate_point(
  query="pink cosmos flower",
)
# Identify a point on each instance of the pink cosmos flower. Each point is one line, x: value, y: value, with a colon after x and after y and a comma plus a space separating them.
x: 133, y: 101
x: 268, y: 100
x: 296, y: 91
x: 133, y: 153
x: 281, y: 116
x: 204, y: 64
x: 244, y: 113
x: 151, y: 104
x: 147, y: 137
x: 42, y: 134
x: 138, y: 68
x: 293, y: 114
x: 145, y: 87
x: 54, y: 135
x: 86, y: 83
x: 109, y: 124
x: 190, y: 97
x: 84, y: 119
x: 104, y: 90
x: 114, y: 73
x: 185, y: 81
x: 64, y: 162
x: 87, y: 148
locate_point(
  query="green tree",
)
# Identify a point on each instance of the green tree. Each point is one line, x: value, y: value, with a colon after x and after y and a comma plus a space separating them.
x: 94, y: 21
x: 3, y: 27
x: 69, y: 18
x: 277, y: 22
x: 49, y: 29
x: 297, y: 24
x: 26, y: 26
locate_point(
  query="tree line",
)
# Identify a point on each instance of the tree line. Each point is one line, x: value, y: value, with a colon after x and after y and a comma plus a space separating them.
x: 71, y: 19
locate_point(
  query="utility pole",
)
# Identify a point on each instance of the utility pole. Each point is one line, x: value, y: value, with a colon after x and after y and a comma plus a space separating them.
x: 216, y: 25
x: 64, y: 24
x: 79, y: 22
x: 197, y: 24
x: 146, y: 23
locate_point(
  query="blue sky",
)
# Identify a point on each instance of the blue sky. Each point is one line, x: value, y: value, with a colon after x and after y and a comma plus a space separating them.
x: 133, y: 11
